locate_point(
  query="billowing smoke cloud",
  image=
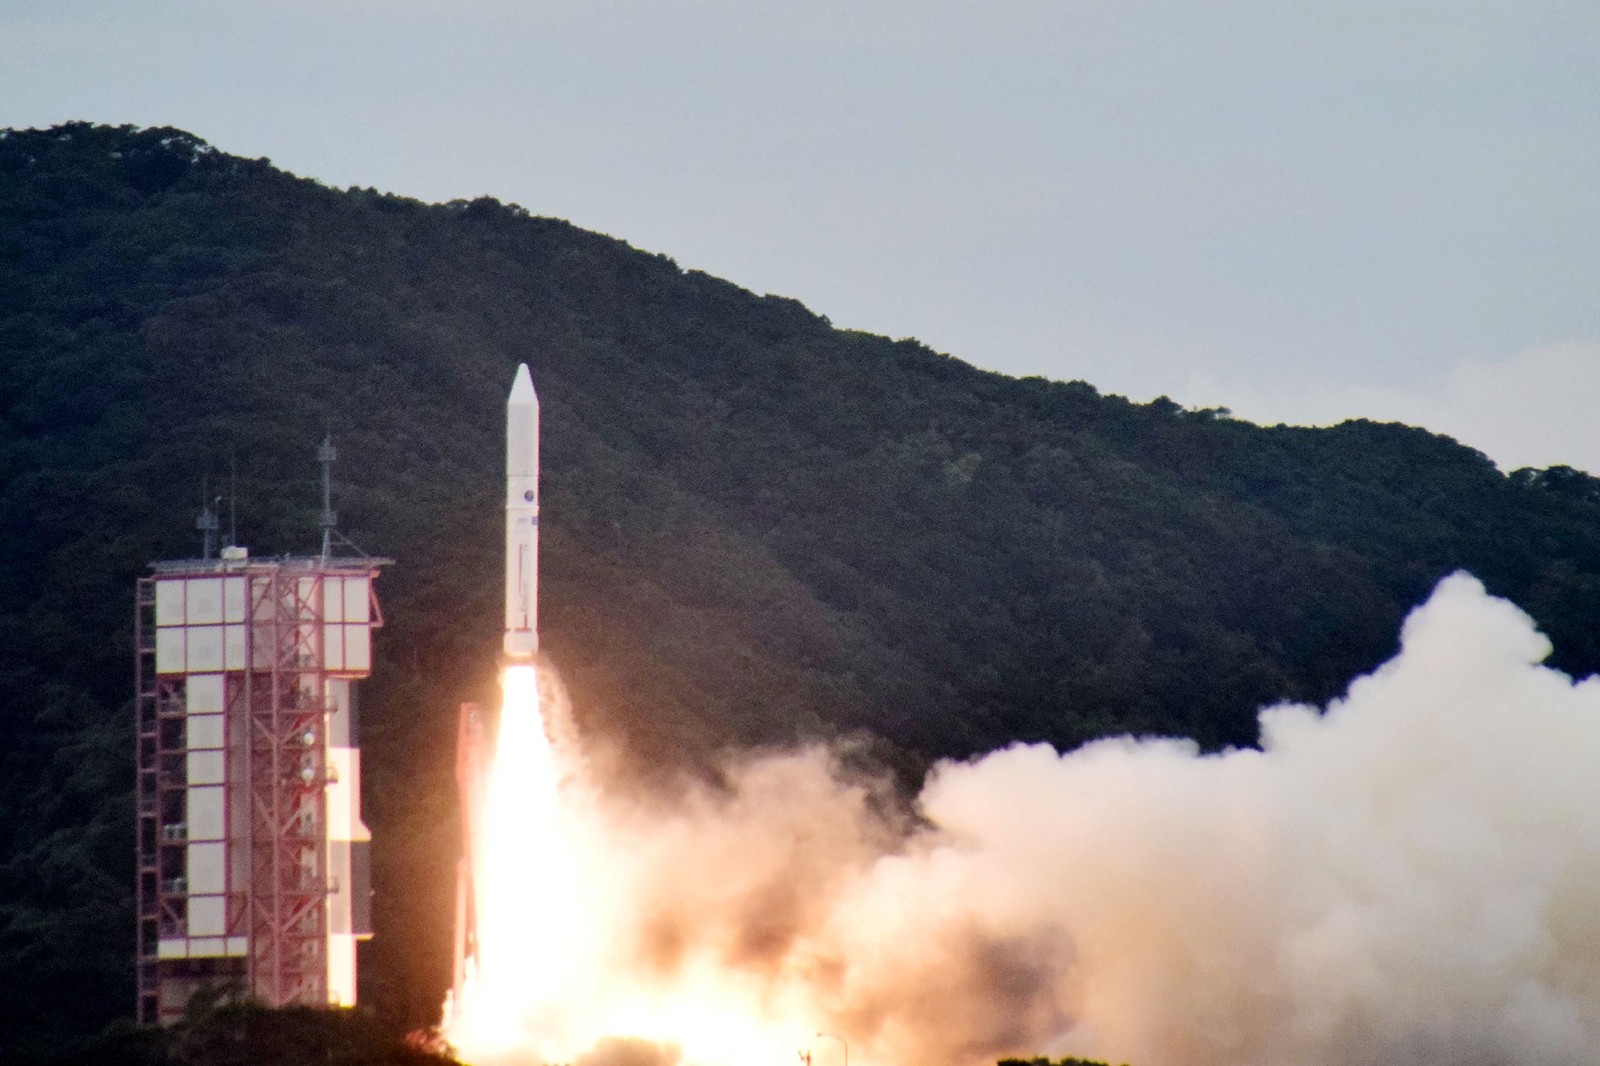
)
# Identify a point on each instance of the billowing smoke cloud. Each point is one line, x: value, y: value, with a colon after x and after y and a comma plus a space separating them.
x: 1411, y: 876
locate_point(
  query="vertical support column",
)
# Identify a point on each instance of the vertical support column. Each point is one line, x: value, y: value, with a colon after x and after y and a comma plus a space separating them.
x: 289, y: 885
x: 147, y: 1006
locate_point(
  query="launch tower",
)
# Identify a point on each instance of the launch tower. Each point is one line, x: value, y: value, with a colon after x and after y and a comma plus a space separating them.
x: 252, y: 857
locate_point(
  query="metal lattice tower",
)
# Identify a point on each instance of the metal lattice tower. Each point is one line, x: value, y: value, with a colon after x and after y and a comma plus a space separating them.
x: 251, y: 852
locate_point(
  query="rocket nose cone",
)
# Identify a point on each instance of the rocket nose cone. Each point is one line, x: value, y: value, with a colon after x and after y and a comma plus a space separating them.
x: 522, y: 387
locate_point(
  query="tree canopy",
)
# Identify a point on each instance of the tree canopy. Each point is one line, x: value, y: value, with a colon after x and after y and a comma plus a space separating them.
x: 757, y: 528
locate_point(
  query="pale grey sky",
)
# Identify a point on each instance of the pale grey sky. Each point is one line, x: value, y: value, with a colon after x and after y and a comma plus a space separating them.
x: 1301, y: 210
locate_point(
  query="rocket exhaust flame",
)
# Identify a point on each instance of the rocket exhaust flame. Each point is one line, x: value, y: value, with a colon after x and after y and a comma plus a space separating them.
x: 524, y: 899
x: 515, y: 914
x: 528, y: 930
x: 1410, y: 876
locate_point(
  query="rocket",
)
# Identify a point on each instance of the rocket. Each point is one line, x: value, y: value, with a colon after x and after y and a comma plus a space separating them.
x: 522, y: 519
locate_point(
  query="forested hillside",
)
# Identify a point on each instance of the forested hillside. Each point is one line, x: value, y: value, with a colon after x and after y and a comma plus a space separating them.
x: 756, y: 527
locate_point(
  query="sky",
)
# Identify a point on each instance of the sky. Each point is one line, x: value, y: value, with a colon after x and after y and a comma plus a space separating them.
x: 1301, y: 210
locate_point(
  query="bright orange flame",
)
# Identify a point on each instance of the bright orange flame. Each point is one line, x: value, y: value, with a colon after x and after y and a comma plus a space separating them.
x: 544, y: 986
x: 524, y: 883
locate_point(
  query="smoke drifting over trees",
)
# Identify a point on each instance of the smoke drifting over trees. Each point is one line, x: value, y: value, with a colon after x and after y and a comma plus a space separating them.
x: 1409, y: 876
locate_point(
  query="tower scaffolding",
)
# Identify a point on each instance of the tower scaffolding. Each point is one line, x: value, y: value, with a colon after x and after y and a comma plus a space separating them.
x: 251, y: 854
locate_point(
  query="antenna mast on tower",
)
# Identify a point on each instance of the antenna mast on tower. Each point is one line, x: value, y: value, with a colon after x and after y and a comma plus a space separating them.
x: 326, y: 455
x: 208, y: 523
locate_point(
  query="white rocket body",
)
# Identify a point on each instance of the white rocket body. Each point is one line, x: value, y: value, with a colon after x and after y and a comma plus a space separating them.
x: 522, y: 519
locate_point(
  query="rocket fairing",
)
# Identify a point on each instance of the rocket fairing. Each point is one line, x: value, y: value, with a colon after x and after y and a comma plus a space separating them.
x: 522, y: 519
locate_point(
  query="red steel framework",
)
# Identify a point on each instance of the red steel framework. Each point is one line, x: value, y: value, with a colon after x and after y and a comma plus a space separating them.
x: 288, y: 804
x: 155, y: 906
x: 275, y: 714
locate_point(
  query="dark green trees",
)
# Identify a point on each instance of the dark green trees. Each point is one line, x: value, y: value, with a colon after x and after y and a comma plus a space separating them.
x: 757, y: 527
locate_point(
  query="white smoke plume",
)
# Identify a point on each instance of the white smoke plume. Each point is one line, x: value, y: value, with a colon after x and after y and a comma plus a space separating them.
x: 1410, y: 876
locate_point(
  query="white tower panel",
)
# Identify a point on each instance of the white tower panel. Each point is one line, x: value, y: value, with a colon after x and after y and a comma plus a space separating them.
x: 205, y: 767
x: 235, y: 599
x: 169, y: 649
x: 333, y: 648
x: 206, y: 869
x: 204, y: 601
x: 169, y: 602
x: 205, y: 731
x: 333, y: 599
x: 357, y: 649
x: 234, y: 643
x: 344, y: 814
x: 207, y: 917
x: 358, y: 599
x: 203, y: 695
x: 207, y: 813
x: 205, y: 648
